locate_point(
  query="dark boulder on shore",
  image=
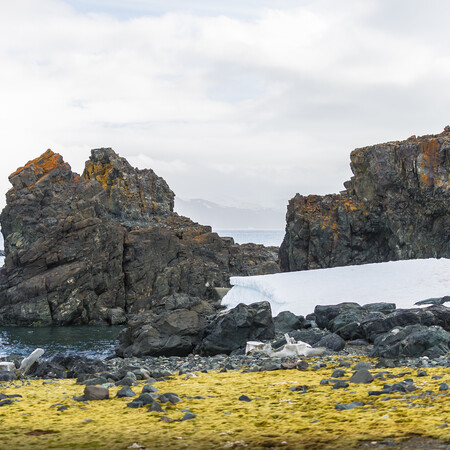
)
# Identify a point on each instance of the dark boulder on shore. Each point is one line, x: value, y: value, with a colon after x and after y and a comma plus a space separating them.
x: 231, y: 330
x: 173, y: 329
x: 396, y: 206
x: 184, y: 325
x: 395, y: 333
x: 412, y: 341
x: 101, y: 247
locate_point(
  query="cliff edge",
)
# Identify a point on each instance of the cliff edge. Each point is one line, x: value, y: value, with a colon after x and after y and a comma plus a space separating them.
x: 396, y: 206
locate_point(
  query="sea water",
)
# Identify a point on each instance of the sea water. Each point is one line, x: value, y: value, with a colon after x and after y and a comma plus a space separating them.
x: 264, y: 237
x: 94, y: 342
x: 97, y: 341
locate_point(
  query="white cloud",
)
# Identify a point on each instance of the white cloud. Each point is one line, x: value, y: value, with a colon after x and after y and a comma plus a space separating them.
x: 249, y: 102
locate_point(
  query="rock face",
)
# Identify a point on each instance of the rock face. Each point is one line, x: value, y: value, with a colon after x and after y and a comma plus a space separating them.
x: 97, y: 248
x: 132, y: 195
x: 395, y: 332
x: 396, y: 206
x: 63, y: 254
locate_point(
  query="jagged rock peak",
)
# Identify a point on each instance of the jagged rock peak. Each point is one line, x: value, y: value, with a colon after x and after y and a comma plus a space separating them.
x: 48, y: 164
x: 132, y: 194
x: 396, y: 206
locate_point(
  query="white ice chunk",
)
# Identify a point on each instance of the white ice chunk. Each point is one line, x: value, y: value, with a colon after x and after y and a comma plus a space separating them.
x: 400, y: 282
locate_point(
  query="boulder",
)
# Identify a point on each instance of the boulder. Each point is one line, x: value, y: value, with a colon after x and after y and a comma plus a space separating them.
x: 396, y: 206
x: 332, y: 342
x: 412, y: 341
x: 234, y: 328
x: 324, y: 314
x: 286, y: 321
x: 96, y: 393
x: 311, y: 336
x: 173, y: 329
x: 379, y: 324
x: 434, y: 301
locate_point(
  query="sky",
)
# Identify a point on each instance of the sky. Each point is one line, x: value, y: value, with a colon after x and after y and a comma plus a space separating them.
x: 241, y: 103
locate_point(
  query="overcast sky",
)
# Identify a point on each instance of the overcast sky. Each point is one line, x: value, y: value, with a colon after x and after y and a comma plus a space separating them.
x: 236, y: 102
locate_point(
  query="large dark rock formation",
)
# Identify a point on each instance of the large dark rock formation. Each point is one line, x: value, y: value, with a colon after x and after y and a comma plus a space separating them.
x: 396, y: 206
x: 97, y: 248
x: 174, y: 327
x: 63, y: 254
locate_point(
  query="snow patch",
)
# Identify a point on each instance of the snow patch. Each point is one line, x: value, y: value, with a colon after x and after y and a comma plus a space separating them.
x: 399, y: 282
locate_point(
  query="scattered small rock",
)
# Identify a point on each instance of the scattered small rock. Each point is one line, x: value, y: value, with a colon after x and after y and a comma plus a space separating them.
x: 343, y: 407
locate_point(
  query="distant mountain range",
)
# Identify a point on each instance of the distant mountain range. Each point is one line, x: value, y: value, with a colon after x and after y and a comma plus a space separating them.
x: 230, y: 217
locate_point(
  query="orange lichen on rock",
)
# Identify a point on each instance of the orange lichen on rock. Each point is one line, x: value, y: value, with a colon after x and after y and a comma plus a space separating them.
x: 429, y: 157
x: 40, y: 167
x: 44, y: 164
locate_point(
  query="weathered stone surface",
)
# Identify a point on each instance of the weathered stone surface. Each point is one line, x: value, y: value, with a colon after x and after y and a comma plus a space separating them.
x: 412, y: 341
x: 233, y: 329
x: 173, y: 329
x: 64, y: 255
x: 373, y: 326
x: 325, y: 314
x: 332, y: 342
x: 132, y: 195
x: 96, y: 393
x: 286, y: 321
x: 397, y: 206
x: 351, y: 321
x: 99, y: 248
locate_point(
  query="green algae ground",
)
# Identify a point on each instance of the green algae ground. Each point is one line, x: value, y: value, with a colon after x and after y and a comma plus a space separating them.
x: 275, y: 418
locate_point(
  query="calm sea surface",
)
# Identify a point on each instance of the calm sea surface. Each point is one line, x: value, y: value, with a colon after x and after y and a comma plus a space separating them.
x: 97, y: 341
x: 264, y: 237
x: 83, y: 340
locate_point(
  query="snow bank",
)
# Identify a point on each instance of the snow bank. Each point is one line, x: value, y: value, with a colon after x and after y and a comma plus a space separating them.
x: 400, y: 282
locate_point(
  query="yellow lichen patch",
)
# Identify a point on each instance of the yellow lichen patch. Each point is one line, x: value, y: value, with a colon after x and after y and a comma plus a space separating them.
x: 351, y: 205
x: 276, y: 417
x: 99, y: 172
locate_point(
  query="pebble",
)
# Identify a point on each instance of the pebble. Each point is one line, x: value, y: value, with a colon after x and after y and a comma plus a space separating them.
x: 343, y: 407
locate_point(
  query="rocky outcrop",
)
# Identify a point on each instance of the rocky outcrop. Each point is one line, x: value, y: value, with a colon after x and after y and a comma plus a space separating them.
x: 98, y: 248
x: 63, y: 254
x: 394, y: 332
x: 413, y: 341
x: 132, y: 195
x: 396, y: 206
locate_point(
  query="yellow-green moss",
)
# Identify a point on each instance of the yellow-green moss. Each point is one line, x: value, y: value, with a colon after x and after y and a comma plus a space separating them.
x: 276, y: 417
